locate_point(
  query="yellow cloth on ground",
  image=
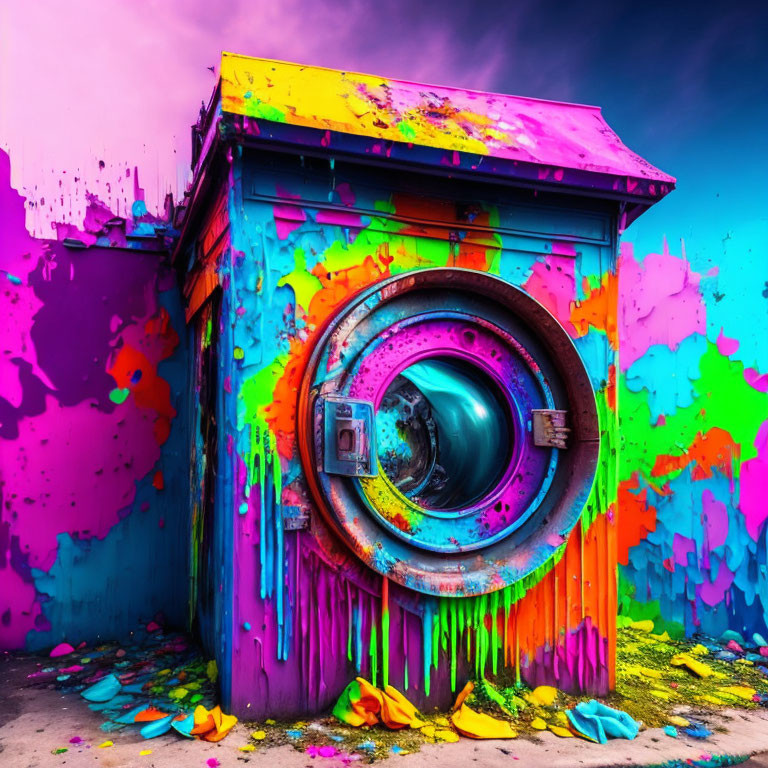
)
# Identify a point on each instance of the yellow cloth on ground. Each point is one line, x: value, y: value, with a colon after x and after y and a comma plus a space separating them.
x: 477, y: 725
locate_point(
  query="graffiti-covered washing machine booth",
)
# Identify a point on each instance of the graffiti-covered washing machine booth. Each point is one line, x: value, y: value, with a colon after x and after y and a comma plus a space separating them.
x: 404, y: 448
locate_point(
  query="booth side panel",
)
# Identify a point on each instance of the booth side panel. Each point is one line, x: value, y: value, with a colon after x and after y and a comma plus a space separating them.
x: 212, y: 559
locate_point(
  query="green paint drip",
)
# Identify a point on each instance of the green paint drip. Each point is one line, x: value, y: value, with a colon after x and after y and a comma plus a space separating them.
x: 350, y: 624
x: 384, y: 645
x: 373, y: 652
x: 469, y: 618
x: 443, y: 631
x: 454, y: 622
x: 427, y: 632
x: 495, y: 632
x: 436, y: 640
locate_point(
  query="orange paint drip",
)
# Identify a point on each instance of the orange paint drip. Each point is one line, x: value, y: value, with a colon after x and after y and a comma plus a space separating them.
x: 598, y: 309
x: 582, y: 584
x: 280, y: 414
x: 714, y: 449
x: 635, y: 518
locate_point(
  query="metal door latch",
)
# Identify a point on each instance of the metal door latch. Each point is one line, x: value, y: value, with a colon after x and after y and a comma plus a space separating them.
x: 349, y: 440
x: 549, y: 430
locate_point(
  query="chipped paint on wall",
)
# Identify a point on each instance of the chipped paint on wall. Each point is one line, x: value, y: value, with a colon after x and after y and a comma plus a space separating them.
x: 91, y: 373
x: 693, y: 421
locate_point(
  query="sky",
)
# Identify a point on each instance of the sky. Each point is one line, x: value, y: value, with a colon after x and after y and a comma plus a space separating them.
x: 685, y: 85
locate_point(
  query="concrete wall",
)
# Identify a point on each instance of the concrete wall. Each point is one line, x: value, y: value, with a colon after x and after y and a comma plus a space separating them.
x: 693, y: 407
x: 93, y: 458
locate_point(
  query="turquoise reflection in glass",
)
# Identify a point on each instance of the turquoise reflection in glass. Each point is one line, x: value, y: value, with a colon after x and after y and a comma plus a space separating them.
x: 444, y: 433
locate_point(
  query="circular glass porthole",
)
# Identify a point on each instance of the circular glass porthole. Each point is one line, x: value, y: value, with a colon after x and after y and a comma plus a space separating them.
x: 444, y: 433
x: 448, y: 430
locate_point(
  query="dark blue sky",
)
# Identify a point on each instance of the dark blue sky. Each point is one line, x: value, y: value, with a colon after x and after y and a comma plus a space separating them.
x: 683, y: 84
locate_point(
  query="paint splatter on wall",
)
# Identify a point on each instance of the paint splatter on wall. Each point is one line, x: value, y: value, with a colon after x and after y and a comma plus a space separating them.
x: 93, y: 535
x: 693, y: 394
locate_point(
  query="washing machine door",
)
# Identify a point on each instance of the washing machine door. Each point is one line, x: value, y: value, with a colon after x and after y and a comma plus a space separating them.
x: 448, y: 430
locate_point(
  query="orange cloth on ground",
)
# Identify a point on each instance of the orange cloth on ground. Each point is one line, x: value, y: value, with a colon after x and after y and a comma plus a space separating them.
x: 213, y: 725
x: 397, y: 712
x: 223, y: 724
x: 203, y: 721
x: 363, y: 704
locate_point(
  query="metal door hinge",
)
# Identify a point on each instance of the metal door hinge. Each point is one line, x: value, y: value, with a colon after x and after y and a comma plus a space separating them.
x: 549, y: 430
x: 295, y: 519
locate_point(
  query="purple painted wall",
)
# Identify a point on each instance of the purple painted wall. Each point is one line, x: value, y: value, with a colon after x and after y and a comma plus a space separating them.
x: 93, y: 531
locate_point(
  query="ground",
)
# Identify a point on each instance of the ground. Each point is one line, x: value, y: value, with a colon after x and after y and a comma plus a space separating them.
x: 45, y: 722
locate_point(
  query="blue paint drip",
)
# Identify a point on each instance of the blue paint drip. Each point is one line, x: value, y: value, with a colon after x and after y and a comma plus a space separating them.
x: 359, y: 634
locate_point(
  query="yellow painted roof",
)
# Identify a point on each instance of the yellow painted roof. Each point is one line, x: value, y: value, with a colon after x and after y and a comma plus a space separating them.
x: 510, y: 127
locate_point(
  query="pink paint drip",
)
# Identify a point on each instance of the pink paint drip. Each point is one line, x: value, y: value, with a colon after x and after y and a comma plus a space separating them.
x: 682, y: 546
x: 287, y: 217
x: 659, y: 301
x: 726, y: 346
x: 714, y: 519
x: 339, y: 219
x: 756, y: 380
x: 713, y: 592
x: 552, y: 282
x: 754, y: 480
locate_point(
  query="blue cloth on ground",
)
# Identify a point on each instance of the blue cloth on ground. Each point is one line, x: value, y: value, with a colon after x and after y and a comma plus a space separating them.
x: 103, y: 690
x: 598, y: 722
x: 157, y: 727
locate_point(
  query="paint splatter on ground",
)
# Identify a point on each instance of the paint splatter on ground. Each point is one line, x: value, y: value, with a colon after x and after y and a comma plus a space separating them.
x: 652, y: 687
x: 706, y: 761
x: 655, y: 685
x: 156, y: 672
